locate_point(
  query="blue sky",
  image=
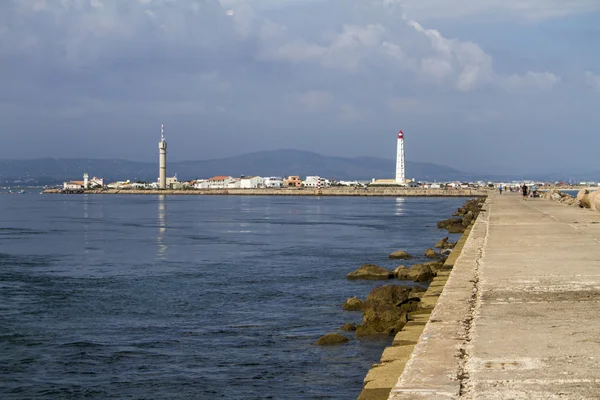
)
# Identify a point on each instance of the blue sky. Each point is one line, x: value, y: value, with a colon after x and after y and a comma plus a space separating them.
x: 507, y: 86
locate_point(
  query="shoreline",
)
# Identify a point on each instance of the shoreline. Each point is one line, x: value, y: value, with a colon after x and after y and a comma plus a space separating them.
x: 347, y: 192
x: 382, y: 377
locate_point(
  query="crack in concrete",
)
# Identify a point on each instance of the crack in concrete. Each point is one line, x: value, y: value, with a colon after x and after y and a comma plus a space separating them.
x: 463, y: 375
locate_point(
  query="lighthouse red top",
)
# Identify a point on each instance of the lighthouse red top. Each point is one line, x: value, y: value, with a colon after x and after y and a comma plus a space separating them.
x: 400, y: 135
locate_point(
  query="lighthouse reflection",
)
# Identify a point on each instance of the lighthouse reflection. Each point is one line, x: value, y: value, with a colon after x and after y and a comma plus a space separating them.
x: 86, y: 225
x: 162, y: 227
x: 399, y: 206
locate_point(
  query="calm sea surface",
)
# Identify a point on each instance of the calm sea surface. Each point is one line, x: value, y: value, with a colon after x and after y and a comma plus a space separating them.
x: 153, y: 297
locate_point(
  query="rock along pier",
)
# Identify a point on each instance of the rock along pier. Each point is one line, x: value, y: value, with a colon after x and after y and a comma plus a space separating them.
x: 518, y: 316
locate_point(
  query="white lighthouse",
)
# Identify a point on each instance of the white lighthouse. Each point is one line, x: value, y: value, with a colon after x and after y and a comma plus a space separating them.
x: 400, y: 175
x: 162, y: 159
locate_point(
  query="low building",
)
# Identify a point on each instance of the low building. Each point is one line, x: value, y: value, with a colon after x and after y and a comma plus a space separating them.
x: 201, y: 184
x: 220, y: 182
x: 292, y: 181
x: 252, y: 182
x: 119, y: 185
x: 73, y: 185
x: 314, y: 181
x: 86, y: 183
x: 95, y: 183
x: 273, y: 182
x: 234, y: 184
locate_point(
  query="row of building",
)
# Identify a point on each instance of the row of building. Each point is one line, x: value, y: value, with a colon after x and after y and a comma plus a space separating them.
x: 216, y: 182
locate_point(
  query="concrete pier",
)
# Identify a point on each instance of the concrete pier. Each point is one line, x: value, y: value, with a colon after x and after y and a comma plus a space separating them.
x: 519, y: 317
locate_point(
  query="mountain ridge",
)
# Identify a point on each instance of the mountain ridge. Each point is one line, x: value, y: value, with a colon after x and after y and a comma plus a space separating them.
x: 264, y: 163
x: 281, y: 162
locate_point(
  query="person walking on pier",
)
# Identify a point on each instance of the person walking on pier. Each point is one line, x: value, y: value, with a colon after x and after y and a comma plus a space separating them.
x: 524, y: 191
x: 500, y: 188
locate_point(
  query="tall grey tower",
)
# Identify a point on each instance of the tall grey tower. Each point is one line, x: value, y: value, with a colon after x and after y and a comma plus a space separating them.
x: 162, y: 159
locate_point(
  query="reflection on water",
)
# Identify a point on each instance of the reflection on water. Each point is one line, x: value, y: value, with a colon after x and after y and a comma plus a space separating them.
x: 162, y: 227
x: 231, y: 310
x: 399, y: 206
x: 86, y: 224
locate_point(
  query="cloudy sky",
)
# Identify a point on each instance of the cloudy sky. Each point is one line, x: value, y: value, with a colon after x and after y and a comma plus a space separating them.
x: 497, y: 86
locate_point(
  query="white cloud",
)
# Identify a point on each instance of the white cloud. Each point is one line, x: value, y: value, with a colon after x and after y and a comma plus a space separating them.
x: 403, y: 49
x: 531, y: 80
x: 530, y: 10
x: 344, y: 50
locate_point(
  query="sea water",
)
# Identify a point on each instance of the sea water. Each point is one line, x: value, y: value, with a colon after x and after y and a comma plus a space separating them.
x: 179, y: 297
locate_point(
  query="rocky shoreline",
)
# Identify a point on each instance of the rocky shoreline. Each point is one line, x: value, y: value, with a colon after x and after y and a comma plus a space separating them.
x: 584, y: 199
x: 390, y: 308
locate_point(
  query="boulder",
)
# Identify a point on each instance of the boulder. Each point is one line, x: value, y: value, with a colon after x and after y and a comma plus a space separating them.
x: 571, y: 201
x: 381, y: 313
x: 430, y: 253
x: 594, y: 203
x: 348, y: 327
x: 446, y: 252
x: 435, y: 266
x: 473, y: 205
x: 400, y: 255
x: 417, y: 273
x: 453, y: 225
x: 555, y: 196
x: 331, y: 338
x: 370, y: 272
x: 444, y: 244
x: 468, y: 218
x: 353, y: 304
x: 583, y: 198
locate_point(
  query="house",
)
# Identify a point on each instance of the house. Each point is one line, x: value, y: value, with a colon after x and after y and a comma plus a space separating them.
x: 220, y: 182
x: 252, y: 182
x: 86, y: 183
x: 201, y: 184
x: 73, y: 185
x: 234, y: 184
x: 292, y: 181
x: 94, y: 183
x: 314, y: 181
x: 273, y: 182
x: 119, y: 185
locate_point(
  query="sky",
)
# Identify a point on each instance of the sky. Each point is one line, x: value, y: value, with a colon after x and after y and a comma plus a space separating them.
x: 495, y: 86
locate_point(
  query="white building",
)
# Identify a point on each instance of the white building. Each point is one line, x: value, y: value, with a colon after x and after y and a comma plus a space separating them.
x: 220, y: 182
x: 313, y: 182
x: 86, y: 183
x: 234, y: 184
x: 119, y: 185
x: 274, y: 182
x: 73, y: 185
x: 201, y: 184
x: 252, y: 182
x: 95, y: 182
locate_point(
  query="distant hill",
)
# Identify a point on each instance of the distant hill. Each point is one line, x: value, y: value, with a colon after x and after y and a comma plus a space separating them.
x: 47, y: 171
x: 265, y: 163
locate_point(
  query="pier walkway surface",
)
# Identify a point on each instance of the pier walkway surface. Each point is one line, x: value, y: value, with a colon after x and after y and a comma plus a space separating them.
x: 519, y: 317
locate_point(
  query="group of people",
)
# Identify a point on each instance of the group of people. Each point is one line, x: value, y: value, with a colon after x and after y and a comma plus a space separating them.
x: 525, y: 191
